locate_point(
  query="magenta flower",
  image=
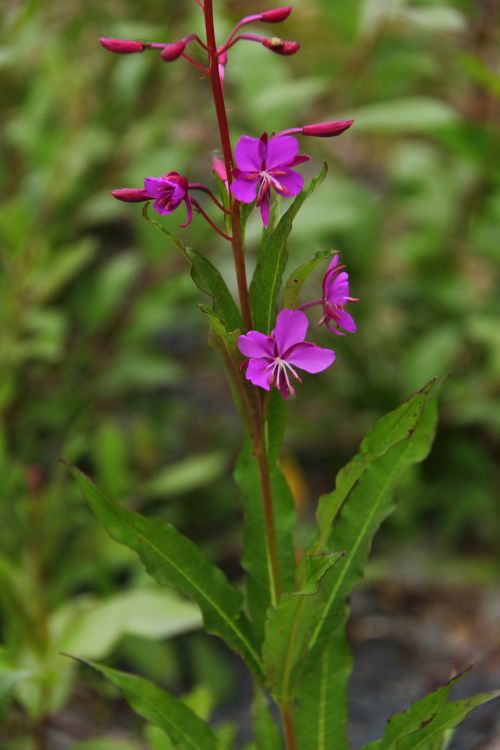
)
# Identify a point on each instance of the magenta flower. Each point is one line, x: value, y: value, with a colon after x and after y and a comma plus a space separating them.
x: 264, y: 163
x: 273, y: 359
x: 168, y: 193
x: 335, y: 296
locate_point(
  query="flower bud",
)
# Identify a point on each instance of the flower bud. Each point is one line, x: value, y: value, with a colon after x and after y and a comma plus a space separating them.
x: 281, y: 46
x: 131, y: 195
x: 276, y: 15
x: 219, y: 168
x: 122, y: 46
x: 172, y: 52
x: 327, y: 129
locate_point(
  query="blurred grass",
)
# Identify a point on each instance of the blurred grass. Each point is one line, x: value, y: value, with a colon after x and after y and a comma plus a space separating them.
x: 103, y: 356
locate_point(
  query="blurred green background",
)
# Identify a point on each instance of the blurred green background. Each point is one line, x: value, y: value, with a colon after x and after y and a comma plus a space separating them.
x: 103, y: 355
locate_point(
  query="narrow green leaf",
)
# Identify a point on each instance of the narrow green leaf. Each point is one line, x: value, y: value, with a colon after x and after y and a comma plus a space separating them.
x: 370, y: 502
x: 391, y: 429
x: 271, y: 262
x: 173, y: 560
x: 288, y: 628
x: 275, y: 425
x: 255, y: 558
x: 297, y: 279
x: 161, y: 709
x: 321, y: 715
x: 267, y: 734
x: 209, y: 280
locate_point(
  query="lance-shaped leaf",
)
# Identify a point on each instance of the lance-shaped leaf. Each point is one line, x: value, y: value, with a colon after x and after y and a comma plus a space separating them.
x: 368, y: 505
x: 255, y: 558
x: 163, y: 710
x: 321, y: 715
x: 209, y: 279
x: 297, y: 279
x: 289, y: 626
x: 275, y: 425
x: 271, y: 262
x: 173, y: 560
x: 391, y: 429
x: 267, y: 734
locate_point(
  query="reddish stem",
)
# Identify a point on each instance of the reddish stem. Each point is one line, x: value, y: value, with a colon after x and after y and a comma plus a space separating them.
x: 209, y: 220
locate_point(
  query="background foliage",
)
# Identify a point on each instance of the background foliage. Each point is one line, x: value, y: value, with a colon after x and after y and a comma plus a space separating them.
x: 103, y: 356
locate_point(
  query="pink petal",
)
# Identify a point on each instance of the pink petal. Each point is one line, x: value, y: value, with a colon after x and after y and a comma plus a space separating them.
x: 334, y: 263
x: 189, y: 213
x: 256, y: 344
x: 258, y: 374
x: 153, y: 185
x: 264, y: 209
x: 249, y: 154
x: 291, y: 328
x: 243, y: 189
x: 310, y: 357
x: 346, y: 321
x: 281, y: 151
x: 292, y: 182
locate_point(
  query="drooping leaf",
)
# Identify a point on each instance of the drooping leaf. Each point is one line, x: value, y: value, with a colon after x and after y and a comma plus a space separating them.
x: 207, y: 278
x: 271, y: 262
x: 255, y: 559
x: 321, y: 715
x: 173, y: 560
x: 267, y: 734
x: 368, y: 504
x: 161, y: 709
x: 391, y: 429
x: 297, y: 278
x: 288, y: 628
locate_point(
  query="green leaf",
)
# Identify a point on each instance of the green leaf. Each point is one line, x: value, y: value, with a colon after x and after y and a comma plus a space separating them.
x: 207, y: 278
x: 185, y: 476
x: 289, y: 626
x: 157, y: 738
x: 275, y: 425
x: 161, y: 709
x: 255, y: 558
x: 321, y: 715
x: 173, y: 560
x: 297, y: 279
x: 369, y: 503
x: 391, y: 429
x: 267, y: 734
x: 271, y: 262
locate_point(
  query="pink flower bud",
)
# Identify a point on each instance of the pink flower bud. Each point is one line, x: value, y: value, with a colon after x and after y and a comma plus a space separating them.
x: 122, y: 46
x: 327, y: 129
x: 173, y: 51
x: 281, y: 46
x: 276, y: 15
x: 219, y: 168
x: 131, y: 195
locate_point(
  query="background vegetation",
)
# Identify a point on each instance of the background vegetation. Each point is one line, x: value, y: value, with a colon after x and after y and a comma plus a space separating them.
x: 103, y: 356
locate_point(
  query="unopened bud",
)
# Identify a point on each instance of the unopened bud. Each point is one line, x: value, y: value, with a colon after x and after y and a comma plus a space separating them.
x: 122, y: 46
x: 172, y: 52
x: 276, y: 15
x: 219, y: 168
x: 327, y: 129
x: 280, y: 46
x: 131, y: 195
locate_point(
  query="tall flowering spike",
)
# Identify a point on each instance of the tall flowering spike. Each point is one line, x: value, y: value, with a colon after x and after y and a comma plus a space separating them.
x: 327, y: 129
x: 264, y: 164
x: 273, y: 360
x: 122, y: 46
x: 335, y: 296
x: 276, y: 15
x: 281, y: 46
x: 172, y: 52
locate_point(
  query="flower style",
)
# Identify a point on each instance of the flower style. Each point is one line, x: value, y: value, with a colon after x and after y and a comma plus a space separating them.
x: 272, y: 359
x: 335, y: 296
x: 264, y: 163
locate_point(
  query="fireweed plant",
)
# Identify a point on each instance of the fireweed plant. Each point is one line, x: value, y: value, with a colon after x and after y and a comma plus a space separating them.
x: 287, y: 621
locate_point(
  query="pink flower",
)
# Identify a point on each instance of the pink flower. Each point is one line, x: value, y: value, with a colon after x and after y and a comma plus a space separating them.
x: 272, y: 359
x: 335, y: 296
x: 264, y: 163
x: 168, y: 193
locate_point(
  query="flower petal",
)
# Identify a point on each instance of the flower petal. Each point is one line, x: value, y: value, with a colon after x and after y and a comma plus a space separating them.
x: 346, y: 321
x: 189, y: 213
x: 264, y: 208
x: 291, y: 328
x: 256, y: 344
x: 250, y: 153
x: 310, y: 357
x: 292, y: 182
x: 153, y: 185
x: 281, y: 151
x: 244, y: 189
x: 258, y: 374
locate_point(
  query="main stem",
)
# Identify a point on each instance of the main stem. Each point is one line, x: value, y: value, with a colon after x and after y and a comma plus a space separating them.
x: 220, y: 108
